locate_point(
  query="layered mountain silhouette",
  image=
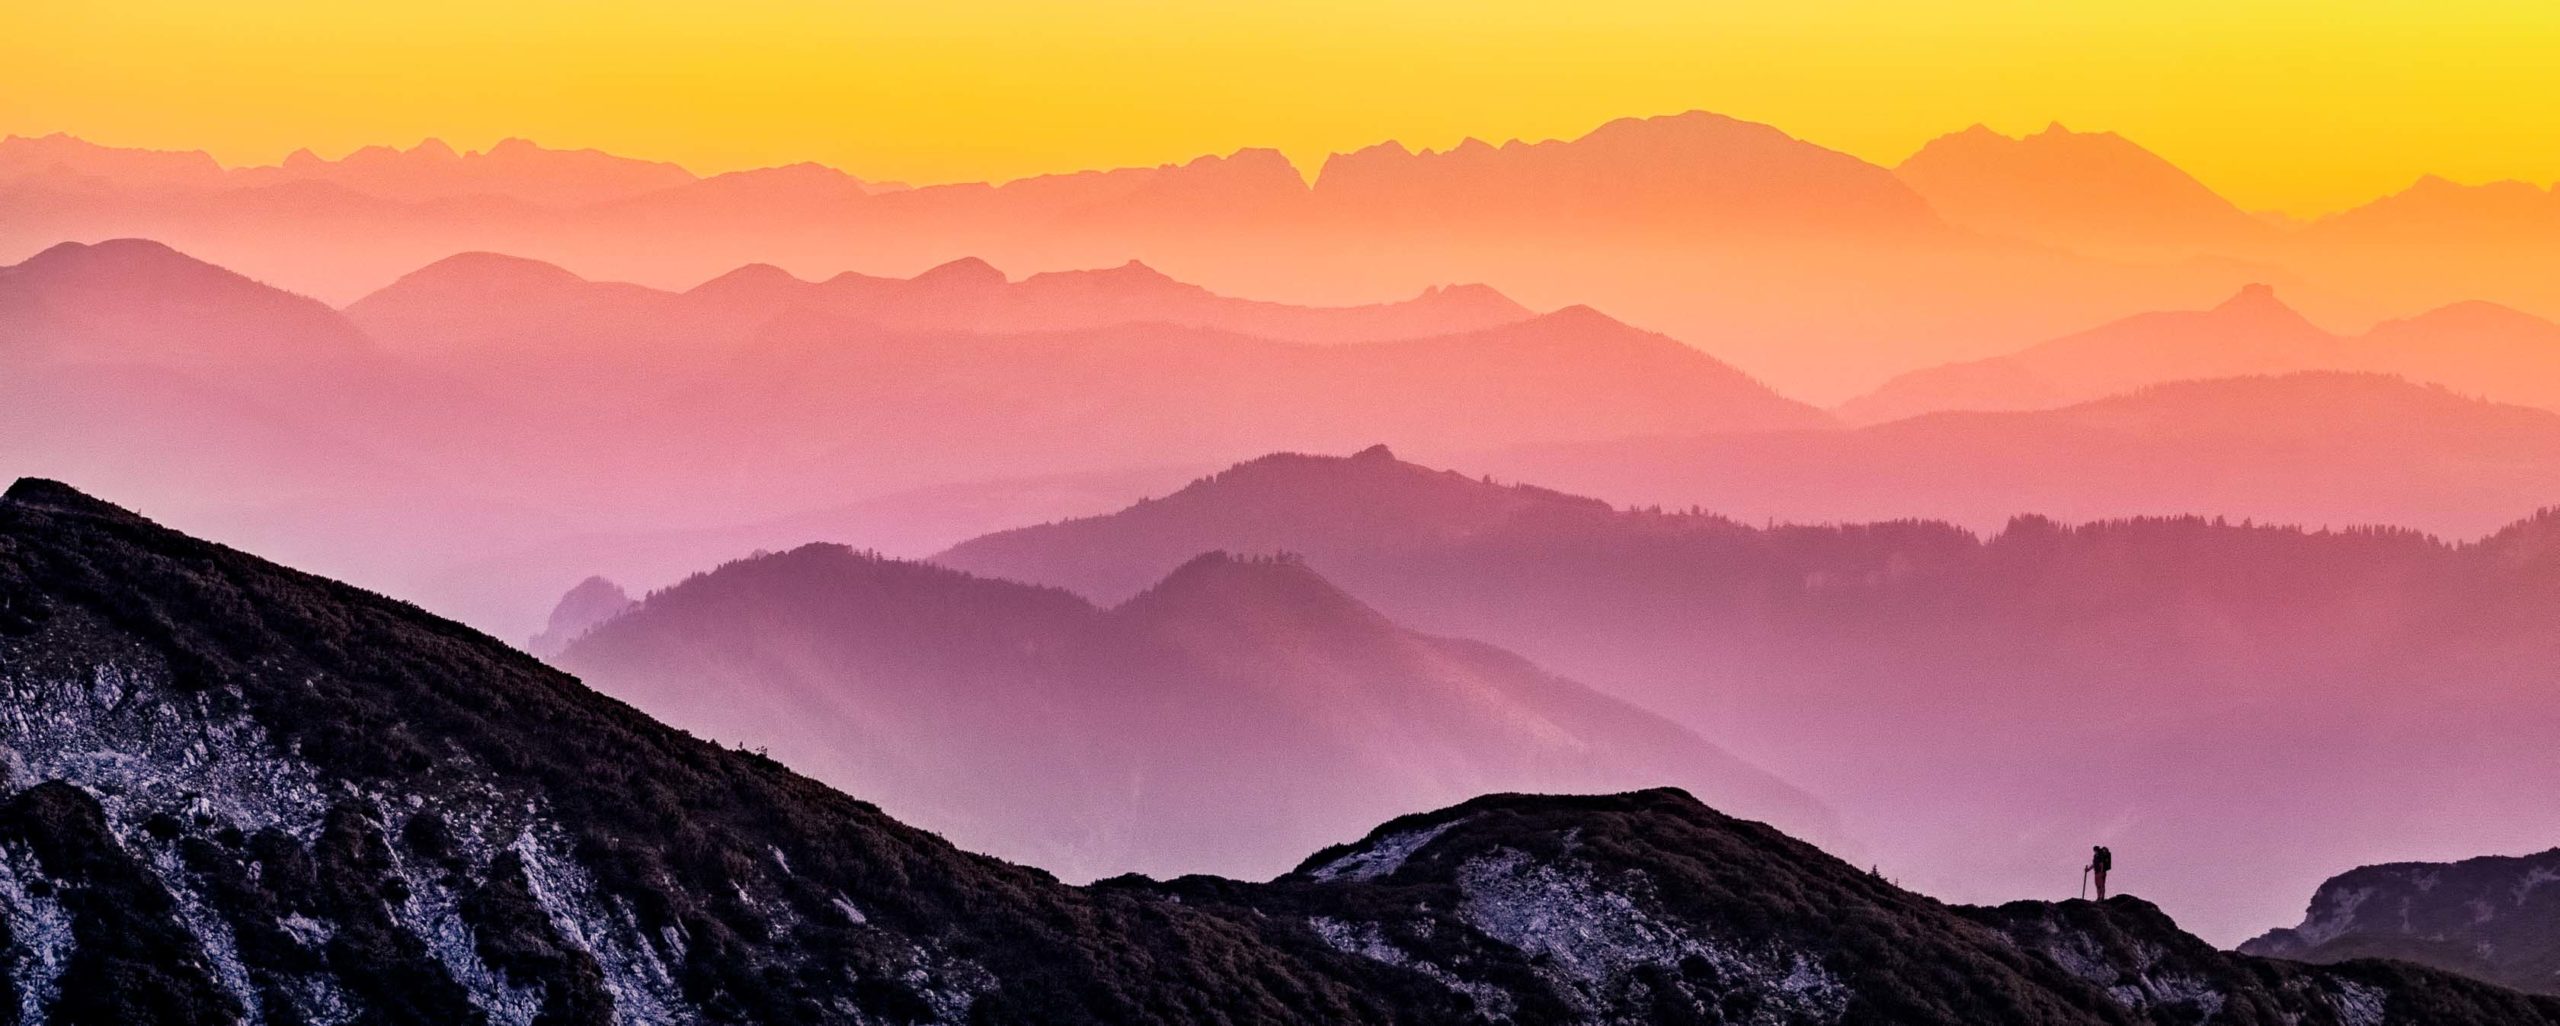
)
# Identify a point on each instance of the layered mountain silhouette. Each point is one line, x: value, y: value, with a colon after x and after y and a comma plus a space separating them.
x: 2094, y: 192
x: 1669, y: 175
x: 1972, y: 704
x: 513, y: 169
x: 73, y: 302
x: 2315, y: 448
x: 1228, y: 719
x: 2489, y: 917
x: 253, y: 414
x: 830, y: 388
x: 551, y: 329
x: 489, y: 406
x: 2475, y: 348
x: 241, y: 794
x: 1722, y: 231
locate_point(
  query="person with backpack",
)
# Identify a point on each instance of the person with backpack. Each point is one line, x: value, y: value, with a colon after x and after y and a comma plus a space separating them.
x: 2101, y: 860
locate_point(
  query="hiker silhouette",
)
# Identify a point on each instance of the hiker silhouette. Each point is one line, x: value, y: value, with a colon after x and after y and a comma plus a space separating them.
x: 2101, y: 860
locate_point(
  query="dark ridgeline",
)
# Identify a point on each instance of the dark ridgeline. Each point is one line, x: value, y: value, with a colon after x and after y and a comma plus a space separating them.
x: 2495, y: 918
x: 251, y: 794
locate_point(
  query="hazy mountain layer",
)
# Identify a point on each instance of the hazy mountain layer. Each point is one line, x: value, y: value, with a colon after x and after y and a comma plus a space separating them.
x: 1235, y: 715
x: 1981, y: 708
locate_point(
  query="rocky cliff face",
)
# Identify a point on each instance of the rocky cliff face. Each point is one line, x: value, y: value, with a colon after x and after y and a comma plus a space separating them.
x: 2496, y: 918
x: 238, y: 794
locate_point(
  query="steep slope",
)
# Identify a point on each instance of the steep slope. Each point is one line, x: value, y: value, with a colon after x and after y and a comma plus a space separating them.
x: 2090, y: 192
x: 239, y: 794
x: 2491, y: 918
x: 2307, y: 448
x: 1239, y: 712
x: 2159, y: 685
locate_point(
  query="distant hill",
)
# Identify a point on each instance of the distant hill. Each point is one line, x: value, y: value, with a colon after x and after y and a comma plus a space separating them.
x: 1225, y: 720
x: 239, y: 794
x: 2314, y: 448
x: 594, y: 601
x: 2475, y: 348
x: 2495, y: 918
x: 70, y: 302
x: 1975, y: 705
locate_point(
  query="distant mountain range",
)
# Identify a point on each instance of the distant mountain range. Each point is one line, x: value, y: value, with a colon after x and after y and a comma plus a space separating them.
x: 1819, y: 272
x: 239, y: 794
x: 2155, y: 684
x: 2495, y: 918
x: 1231, y: 717
x: 489, y: 407
x: 1725, y: 232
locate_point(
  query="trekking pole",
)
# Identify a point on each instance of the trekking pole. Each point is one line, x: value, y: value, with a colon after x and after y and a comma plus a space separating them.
x: 2084, y: 883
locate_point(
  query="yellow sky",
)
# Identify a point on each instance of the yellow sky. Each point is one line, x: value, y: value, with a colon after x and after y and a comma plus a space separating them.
x: 2282, y: 104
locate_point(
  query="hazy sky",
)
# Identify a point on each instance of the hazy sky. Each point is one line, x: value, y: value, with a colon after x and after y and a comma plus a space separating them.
x: 2302, y: 105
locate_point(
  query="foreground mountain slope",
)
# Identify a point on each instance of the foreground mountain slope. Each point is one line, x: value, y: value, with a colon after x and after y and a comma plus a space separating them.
x: 241, y: 794
x: 2494, y: 918
x: 2242, y: 673
x: 1238, y: 713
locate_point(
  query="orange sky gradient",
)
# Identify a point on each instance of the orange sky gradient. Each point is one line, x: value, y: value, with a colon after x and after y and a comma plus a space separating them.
x: 2285, y: 105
